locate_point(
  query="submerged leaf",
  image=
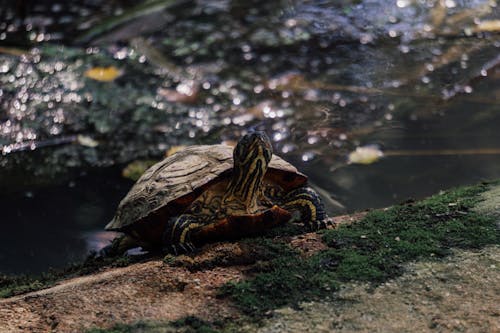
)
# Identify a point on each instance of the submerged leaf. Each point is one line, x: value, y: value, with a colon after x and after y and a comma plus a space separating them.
x: 103, y: 74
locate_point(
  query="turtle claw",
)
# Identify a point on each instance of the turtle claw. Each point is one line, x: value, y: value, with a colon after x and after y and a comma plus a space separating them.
x: 187, y: 247
x: 319, y: 224
x: 192, y: 247
x: 180, y: 248
x: 183, y: 248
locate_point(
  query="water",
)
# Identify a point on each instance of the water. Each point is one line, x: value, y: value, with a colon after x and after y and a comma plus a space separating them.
x: 55, y: 225
x: 322, y: 78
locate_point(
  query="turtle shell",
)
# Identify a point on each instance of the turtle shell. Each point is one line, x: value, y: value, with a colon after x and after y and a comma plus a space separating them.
x: 171, y: 185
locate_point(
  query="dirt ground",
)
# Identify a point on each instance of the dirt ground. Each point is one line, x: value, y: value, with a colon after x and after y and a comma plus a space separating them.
x: 150, y: 290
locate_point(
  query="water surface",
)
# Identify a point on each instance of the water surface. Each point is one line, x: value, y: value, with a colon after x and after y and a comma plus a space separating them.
x: 416, y: 81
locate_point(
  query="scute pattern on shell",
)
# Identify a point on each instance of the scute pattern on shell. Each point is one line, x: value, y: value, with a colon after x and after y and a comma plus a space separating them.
x: 177, y: 176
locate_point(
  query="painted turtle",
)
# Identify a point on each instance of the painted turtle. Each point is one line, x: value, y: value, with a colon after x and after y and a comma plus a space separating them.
x: 212, y: 192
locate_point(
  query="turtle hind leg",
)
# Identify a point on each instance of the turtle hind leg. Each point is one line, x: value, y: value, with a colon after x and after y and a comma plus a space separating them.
x: 119, y: 246
x: 306, y: 207
x: 177, y: 234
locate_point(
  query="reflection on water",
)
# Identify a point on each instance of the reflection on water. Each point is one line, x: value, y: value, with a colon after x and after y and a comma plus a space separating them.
x: 95, y: 240
x: 53, y: 226
x: 418, y: 80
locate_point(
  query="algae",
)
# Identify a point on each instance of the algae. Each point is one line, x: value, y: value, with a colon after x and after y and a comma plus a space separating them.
x: 373, y: 250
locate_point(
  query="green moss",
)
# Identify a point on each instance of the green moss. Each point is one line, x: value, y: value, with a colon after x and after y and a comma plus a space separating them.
x: 193, y: 325
x: 185, y: 325
x: 15, y: 285
x: 281, y: 277
x: 430, y: 228
x: 12, y: 285
x: 374, y: 249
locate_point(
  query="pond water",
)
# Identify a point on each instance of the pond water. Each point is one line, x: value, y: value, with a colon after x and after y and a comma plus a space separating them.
x: 416, y: 84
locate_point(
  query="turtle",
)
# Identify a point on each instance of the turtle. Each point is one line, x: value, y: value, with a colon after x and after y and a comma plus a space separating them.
x: 205, y: 193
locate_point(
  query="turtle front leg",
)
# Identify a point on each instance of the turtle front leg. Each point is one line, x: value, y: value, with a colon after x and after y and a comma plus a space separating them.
x: 177, y: 235
x: 306, y: 207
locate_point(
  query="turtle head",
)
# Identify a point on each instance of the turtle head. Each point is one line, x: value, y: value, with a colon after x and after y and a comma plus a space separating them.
x: 251, y: 157
x: 252, y: 149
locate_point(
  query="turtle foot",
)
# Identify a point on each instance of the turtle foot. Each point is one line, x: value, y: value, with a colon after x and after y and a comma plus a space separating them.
x: 180, y: 248
x: 320, y: 224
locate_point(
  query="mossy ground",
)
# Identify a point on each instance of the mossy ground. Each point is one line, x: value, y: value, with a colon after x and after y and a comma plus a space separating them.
x: 185, y: 325
x: 20, y: 284
x: 374, y: 250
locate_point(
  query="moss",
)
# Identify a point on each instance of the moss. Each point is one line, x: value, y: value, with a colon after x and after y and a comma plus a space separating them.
x: 284, y: 280
x: 185, y: 325
x: 15, y: 285
x: 374, y: 249
x: 288, y: 229
x: 194, y: 325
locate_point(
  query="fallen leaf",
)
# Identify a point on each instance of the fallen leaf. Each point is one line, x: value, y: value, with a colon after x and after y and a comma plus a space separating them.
x: 86, y: 141
x: 365, y: 155
x: 488, y: 26
x: 103, y: 74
